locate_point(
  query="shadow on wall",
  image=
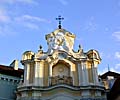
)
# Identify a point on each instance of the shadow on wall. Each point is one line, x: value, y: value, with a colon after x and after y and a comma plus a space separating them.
x: 114, y: 93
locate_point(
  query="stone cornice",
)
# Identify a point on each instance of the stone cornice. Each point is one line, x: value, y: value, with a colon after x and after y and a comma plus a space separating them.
x: 73, y: 88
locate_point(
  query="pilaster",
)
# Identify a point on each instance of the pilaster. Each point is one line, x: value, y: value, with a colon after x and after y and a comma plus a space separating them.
x: 26, y: 73
x: 41, y: 73
x: 84, y: 73
x: 38, y: 81
x: 79, y: 73
x: 72, y: 69
x: 96, y: 73
x: 50, y: 70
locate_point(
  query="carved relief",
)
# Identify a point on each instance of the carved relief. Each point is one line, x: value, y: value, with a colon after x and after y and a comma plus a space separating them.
x: 61, y: 80
x: 60, y: 40
x: 61, y: 74
x: 61, y: 70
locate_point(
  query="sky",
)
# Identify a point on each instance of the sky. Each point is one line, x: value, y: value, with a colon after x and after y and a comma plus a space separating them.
x: 96, y: 24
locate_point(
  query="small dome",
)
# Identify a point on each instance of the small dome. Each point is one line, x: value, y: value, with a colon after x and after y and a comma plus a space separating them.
x: 27, y: 55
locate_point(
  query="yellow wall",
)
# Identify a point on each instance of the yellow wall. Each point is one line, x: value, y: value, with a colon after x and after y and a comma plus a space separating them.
x: 75, y: 74
x: 90, y: 72
x: 32, y: 73
x: 61, y: 90
x: 46, y: 73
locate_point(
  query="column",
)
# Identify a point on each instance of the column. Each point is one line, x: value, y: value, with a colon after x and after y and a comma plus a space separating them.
x: 72, y: 68
x: 27, y: 74
x: 79, y: 74
x: 36, y: 73
x: 84, y: 73
x: 38, y: 81
x: 50, y: 70
x: 50, y: 74
x: 95, y: 74
x: 41, y: 73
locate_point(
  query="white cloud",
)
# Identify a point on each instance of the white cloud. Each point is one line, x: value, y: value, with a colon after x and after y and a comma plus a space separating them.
x: 103, y: 71
x: 3, y: 16
x: 117, y: 55
x: 101, y: 54
x: 31, y: 25
x: 116, y: 35
x: 5, y: 23
x: 6, y: 30
x: 28, y: 1
x: 28, y: 17
x: 31, y: 19
x: 79, y: 39
x: 6, y: 1
x: 113, y: 69
x: 63, y: 2
x: 8, y: 21
x: 117, y: 66
x: 90, y: 25
x: 27, y: 21
x: 18, y: 1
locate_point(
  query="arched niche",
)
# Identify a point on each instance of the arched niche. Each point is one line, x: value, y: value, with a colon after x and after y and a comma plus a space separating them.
x: 61, y: 73
x: 61, y: 69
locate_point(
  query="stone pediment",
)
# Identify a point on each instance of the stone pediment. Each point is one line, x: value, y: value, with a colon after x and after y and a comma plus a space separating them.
x: 60, y: 39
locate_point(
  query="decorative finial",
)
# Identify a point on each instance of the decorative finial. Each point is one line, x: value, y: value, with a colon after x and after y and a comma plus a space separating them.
x: 40, y: 47
x: 80, y: 46
x: 80, y: 49
x: 108, y: 67
x: 40, y: 50
x: 59, y: 19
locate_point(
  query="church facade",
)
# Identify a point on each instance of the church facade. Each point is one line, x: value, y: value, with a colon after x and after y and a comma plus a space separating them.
x: 61, y: 73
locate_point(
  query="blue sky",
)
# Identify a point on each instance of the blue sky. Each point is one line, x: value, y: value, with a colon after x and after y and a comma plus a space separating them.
x: 96, y: 24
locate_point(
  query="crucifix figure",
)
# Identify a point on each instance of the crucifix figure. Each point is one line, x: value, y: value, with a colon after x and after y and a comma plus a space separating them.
x: 59, y: 19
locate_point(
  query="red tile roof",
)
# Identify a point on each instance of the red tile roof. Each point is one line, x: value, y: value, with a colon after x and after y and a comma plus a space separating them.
x: 8, y: 70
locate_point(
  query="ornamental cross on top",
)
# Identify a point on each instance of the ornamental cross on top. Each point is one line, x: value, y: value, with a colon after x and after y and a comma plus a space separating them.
x: 59, y: 19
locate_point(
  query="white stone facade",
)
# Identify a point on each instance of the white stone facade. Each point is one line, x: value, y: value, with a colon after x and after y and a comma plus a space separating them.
x: 61, y: 73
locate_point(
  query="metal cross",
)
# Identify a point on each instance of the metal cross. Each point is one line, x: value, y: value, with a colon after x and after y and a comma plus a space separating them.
x: 59, y: 19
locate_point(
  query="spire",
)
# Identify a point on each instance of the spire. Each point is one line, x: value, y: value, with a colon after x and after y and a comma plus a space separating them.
x: 59, y: 20
x: 108, y: 67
